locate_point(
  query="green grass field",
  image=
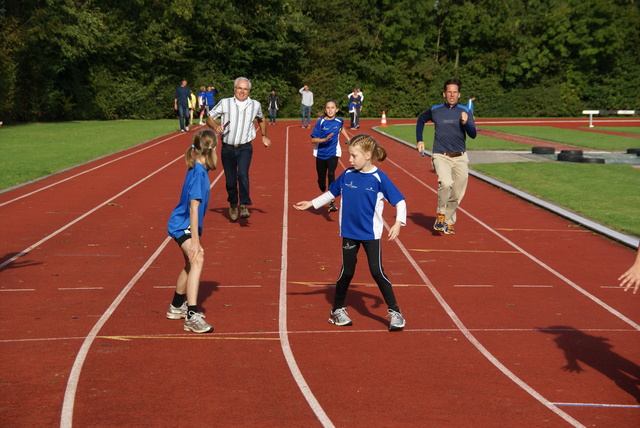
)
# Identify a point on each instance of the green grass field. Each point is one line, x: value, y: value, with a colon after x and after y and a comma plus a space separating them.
x: 586, y: 138
x: 37, y: 150
x: 608, y: 194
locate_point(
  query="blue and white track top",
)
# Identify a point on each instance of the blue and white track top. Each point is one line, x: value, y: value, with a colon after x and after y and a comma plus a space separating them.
x: 363, y: 195
x: 322, y: 129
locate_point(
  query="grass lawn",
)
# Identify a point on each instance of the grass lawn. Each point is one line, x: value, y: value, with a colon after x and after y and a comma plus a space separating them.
x: 36, y: 150
x: 481, y: 142
x: 586, y: 138
x: 608, y: 194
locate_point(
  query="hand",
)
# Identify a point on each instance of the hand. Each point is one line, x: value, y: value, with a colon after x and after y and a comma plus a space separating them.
x: 328, y: 137
x: 394, y: 231
x: 193, y: 250
x: 420, y: 146
x: 464, y: 117
x: 631, y: 278
x: 266, y: 141
x: 303, y: 205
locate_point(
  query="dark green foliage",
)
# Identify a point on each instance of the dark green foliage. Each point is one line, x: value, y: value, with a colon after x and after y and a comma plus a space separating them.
x: 110, y: 59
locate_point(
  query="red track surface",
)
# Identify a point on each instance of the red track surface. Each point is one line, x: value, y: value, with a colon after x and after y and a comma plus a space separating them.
x: 88, y: 342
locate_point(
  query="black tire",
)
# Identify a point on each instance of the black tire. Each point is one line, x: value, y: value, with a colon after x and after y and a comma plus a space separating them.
x: 566, y: 157
x: 543, y: 150
x: 633, y: 151
x: 591, y: 160
x: 572, y: 152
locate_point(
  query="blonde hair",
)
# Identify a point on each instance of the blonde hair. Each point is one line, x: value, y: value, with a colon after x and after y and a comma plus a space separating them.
x: 367, y: 143
x: 204, y: 143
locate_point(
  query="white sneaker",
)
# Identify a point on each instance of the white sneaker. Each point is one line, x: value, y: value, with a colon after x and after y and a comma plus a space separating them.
x: 201, y: 123
x: 186, y: 128
x: 197, y: 324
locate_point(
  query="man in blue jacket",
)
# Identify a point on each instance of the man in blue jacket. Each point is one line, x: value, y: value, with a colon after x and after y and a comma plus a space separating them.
x: 453, y: 123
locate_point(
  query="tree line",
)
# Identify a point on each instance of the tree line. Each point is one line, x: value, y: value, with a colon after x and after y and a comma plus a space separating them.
x: 113, y: 59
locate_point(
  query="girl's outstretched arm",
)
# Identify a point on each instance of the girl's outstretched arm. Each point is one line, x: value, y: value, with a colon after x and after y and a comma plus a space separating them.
x: 303, y: 205
x: 631, y: 278
x: 401, y: 220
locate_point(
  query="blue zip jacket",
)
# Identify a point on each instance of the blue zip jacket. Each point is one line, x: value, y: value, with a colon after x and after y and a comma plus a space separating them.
x: 451, y: 134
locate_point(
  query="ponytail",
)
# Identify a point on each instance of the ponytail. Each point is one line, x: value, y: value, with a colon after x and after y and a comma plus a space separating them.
x: 204, y: 143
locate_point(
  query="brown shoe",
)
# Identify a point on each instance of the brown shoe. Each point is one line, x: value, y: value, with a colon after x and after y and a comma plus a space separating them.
x: 233, y: 213
x: 244, y: 211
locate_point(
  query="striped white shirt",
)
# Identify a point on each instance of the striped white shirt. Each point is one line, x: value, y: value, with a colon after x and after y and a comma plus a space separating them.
x: 240, y: 116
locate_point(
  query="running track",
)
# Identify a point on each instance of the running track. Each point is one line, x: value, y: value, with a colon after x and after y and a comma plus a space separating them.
x: 516, y: 320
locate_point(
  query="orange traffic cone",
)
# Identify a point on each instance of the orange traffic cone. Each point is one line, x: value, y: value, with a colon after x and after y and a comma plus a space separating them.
x: 383, y: 123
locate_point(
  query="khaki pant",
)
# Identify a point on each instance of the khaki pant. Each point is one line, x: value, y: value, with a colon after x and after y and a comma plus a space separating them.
x: 453, y: 175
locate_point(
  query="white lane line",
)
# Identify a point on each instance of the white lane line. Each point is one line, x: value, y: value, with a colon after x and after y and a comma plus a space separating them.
x: 473, y: 286
x: 88, y: 213
x: 282, y: 319
x: 533, y: 258
x: 532, y: 286
x: 619, y: 406
x: 80, y: 288
x: 18, y: 289
x: 66, y: 417
x: 475, y: 342
x: 87, y: 171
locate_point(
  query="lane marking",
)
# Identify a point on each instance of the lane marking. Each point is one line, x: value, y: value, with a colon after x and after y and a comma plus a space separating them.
x: 532, y: 286
x: 66, y: 416
x: 433, y: 250
x: 323, y: 418
x: 87, y: 214
x: 473, y: 286
x: 619, y: 406
x: 187, y: 337
x: 85, y: 172
x: 544, y: 230
x: 470, y: 337
x: 80, y: 288
x: 18, y: 289
x: 316, y: 284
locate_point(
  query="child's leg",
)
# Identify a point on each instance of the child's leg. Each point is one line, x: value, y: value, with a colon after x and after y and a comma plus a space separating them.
x: 321, y: 169
x: 374, y: 256
x: 350, y: 249
x: 332, y: 164
x: 190, y: 276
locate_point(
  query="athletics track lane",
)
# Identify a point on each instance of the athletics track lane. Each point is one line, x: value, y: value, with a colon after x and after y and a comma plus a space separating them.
x: 356, y: 360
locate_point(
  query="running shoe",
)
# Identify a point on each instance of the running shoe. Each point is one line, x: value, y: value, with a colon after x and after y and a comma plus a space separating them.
x: 332, y: 207
x: 197, y: 324
x: 233, y: 213
x: 174, y: 313
x: 244, y: 211
x: 449, y: 230
x: 439, y: 224
x: 397, y: 321
x: 340, y: 317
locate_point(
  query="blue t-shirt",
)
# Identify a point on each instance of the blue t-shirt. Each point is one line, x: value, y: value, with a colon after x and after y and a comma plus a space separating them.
x: 202, y: 96
x: 196, y: 186
x: 210, y: 97
x: 363, y: 195
x: 450, y: 133
x: 322, y: 129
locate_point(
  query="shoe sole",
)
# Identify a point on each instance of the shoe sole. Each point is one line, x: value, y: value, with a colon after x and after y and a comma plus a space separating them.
x: 439, y: 229
x: 396, y: 328
x: 175, y: 316
x: 331, y: 321
x: 196, y: 331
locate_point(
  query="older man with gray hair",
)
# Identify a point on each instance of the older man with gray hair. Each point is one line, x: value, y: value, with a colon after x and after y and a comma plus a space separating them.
x: 237, y: 130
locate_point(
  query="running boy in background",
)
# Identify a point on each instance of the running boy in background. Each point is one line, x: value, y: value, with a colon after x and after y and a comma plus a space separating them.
x: 326, y: 149
x: 452, y: 125
x: 185, y: 227
x: 363, y: 188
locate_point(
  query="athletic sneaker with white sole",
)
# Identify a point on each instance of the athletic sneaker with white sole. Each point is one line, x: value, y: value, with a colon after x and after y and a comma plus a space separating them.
x: 340, y: 317
x: 174, y: 313
x: 397, y: 321
x: 197, y: 324
x: 439, y: 225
